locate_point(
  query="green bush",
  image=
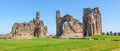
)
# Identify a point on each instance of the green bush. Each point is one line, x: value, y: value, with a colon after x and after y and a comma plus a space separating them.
x: 6, y: 37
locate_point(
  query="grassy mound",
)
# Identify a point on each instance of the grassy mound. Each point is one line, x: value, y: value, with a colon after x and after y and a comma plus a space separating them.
x: 52, y: 44
x: 117, y: 38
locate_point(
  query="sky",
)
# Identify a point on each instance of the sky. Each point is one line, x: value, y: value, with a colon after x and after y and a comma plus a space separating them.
x: 19, y: 11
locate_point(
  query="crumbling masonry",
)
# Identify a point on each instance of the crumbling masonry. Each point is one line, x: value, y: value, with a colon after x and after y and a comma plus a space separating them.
x: 35, y: 28
x: 92, y: 24
x: 68, y: 27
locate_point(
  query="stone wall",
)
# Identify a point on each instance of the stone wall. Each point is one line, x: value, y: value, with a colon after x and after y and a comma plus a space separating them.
x: 92, y: 22
x: 34, y: 28
x: 68, y: 27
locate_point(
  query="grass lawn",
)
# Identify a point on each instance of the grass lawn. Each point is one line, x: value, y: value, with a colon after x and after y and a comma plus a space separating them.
x: 52, y: 44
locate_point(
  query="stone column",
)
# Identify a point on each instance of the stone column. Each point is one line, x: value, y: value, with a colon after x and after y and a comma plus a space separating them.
x: 37, y: 17
x: 57, y: 23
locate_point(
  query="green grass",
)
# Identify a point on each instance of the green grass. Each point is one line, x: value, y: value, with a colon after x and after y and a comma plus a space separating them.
x: 52, y: 44
x: 107, y: 37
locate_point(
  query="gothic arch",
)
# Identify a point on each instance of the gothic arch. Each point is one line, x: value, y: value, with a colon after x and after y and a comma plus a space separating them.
x: 61, y: 22
x: 72, y: 29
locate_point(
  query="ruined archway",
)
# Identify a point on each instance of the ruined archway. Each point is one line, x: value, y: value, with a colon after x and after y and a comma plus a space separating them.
x: 73, y: 28
x: 60, y: 23
x: 36, y: 32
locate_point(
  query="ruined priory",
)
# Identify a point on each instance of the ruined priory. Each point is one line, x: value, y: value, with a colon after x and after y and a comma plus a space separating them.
x: 66, y: 26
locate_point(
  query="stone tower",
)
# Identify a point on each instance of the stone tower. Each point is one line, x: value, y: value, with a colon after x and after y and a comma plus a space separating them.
x: 37, y: 17
x: 58, y: 24
x: 92, y: 24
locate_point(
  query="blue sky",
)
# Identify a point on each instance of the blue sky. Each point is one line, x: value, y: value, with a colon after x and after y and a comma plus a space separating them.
x: 12, y: 11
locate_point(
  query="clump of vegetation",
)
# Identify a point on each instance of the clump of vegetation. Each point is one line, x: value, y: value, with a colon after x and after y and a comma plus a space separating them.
x: 6, y: 37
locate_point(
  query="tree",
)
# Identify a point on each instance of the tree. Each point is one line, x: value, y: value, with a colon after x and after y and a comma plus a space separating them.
x: 115, y: 33
x: 107, y: 33
x: 111, y: 33
x: 103, y: 33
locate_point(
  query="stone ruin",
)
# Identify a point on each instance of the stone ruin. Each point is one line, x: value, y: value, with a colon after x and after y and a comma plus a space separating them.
x: 92, y: 22
x: 34, y: 28
x: 68, y: 27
